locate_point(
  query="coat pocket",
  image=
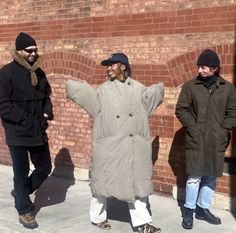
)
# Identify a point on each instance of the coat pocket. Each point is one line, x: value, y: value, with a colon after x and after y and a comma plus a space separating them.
x: 192, y: 138
x: 223, y: 138
x: 26, y: 128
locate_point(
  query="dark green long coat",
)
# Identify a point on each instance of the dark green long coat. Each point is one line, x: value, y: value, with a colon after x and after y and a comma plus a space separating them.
x: 207, y: 115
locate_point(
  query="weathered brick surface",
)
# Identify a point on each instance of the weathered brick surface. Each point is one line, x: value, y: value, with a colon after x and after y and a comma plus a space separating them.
x: 41, y: 10
x: 71, y: 128
x: 153, y: 23
x: 162, y: 39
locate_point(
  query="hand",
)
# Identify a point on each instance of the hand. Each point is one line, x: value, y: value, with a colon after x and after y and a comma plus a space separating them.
x: 46, y: 115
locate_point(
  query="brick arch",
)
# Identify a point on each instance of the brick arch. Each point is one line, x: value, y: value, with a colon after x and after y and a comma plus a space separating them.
x: 68, y: 63
x: 70, y: 131
x: 183, y: 67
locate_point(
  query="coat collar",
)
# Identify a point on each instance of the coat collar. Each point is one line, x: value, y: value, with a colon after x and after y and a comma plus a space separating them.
x: 128, y: 81
x: 219, y: 82
x: 21, y: 61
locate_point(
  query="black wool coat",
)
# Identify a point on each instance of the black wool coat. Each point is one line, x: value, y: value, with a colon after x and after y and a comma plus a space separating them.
x: 22, y: 105
x: 207, y: 115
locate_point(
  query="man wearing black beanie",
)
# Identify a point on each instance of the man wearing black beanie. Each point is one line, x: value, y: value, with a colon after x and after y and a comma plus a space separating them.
x: 25, y: 108
x: 207, y: 110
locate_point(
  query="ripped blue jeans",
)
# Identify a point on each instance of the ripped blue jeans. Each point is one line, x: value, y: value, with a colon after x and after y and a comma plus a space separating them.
x: 199, y: 190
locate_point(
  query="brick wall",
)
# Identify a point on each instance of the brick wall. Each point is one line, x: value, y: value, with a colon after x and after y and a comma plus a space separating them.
x: 162, y: 39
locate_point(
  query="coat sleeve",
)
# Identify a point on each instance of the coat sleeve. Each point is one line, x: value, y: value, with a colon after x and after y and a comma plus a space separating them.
x: 152, y: 97
x: 8, y: 111
x: 183, y: 108
x: 48, y: 108
x: 84, y: 95
x: 230, y: 114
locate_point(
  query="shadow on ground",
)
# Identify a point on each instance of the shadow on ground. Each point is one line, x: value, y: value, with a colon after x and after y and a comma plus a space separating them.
x: 54, y: 189
x: 177, y: 162
x: 119, y: 211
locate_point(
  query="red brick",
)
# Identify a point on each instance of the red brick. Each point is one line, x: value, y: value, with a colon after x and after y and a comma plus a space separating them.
x: 93, y: 33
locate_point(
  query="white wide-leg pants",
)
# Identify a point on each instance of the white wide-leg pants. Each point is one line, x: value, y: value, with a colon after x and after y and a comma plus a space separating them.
x: 138, y: 211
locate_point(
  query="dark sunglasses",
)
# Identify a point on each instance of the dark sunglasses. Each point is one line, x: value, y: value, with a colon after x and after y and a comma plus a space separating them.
x: 31, y: 50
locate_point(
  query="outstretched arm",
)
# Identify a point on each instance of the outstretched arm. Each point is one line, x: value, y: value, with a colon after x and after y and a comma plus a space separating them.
x: 84, y: 95
x: 152, y: 97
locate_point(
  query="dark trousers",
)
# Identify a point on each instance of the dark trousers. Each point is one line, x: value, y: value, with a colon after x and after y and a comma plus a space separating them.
x: 23, y: 183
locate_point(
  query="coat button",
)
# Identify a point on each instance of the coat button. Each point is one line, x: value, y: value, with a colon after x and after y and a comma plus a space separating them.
x: 117, y: 116
x: 131, y: 135
x: 129, y: 83
x: 130, y: 114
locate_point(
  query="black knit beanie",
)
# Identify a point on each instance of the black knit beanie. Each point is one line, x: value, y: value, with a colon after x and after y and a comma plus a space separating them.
x: 23, y: 40
x: 208, y: 58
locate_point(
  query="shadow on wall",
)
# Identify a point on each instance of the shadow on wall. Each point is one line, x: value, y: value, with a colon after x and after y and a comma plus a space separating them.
x: 177, y: 161
x: 230, y: 168
x: 155, y: 149
x: 54, y: 189
x: 233, y: 181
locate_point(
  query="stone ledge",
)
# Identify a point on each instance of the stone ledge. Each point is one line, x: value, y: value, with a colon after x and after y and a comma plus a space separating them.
x: 72, y: 173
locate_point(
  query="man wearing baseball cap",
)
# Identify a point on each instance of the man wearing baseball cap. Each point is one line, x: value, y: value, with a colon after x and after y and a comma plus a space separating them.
x: 25, y: 108
x: 207, y: 110
x: 121, y: 159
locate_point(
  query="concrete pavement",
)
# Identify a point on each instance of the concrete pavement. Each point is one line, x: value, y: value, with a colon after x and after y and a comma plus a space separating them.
x: 62, y: 206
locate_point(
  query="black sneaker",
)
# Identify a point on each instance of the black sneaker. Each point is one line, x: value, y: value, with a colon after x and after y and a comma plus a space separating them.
x: 28, y: 221
x: 206, y: 215
x: 187, y: 222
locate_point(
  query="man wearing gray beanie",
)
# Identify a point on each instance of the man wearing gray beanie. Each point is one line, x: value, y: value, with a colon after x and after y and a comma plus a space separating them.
x: 207, y: 110
x: 25, y: 108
